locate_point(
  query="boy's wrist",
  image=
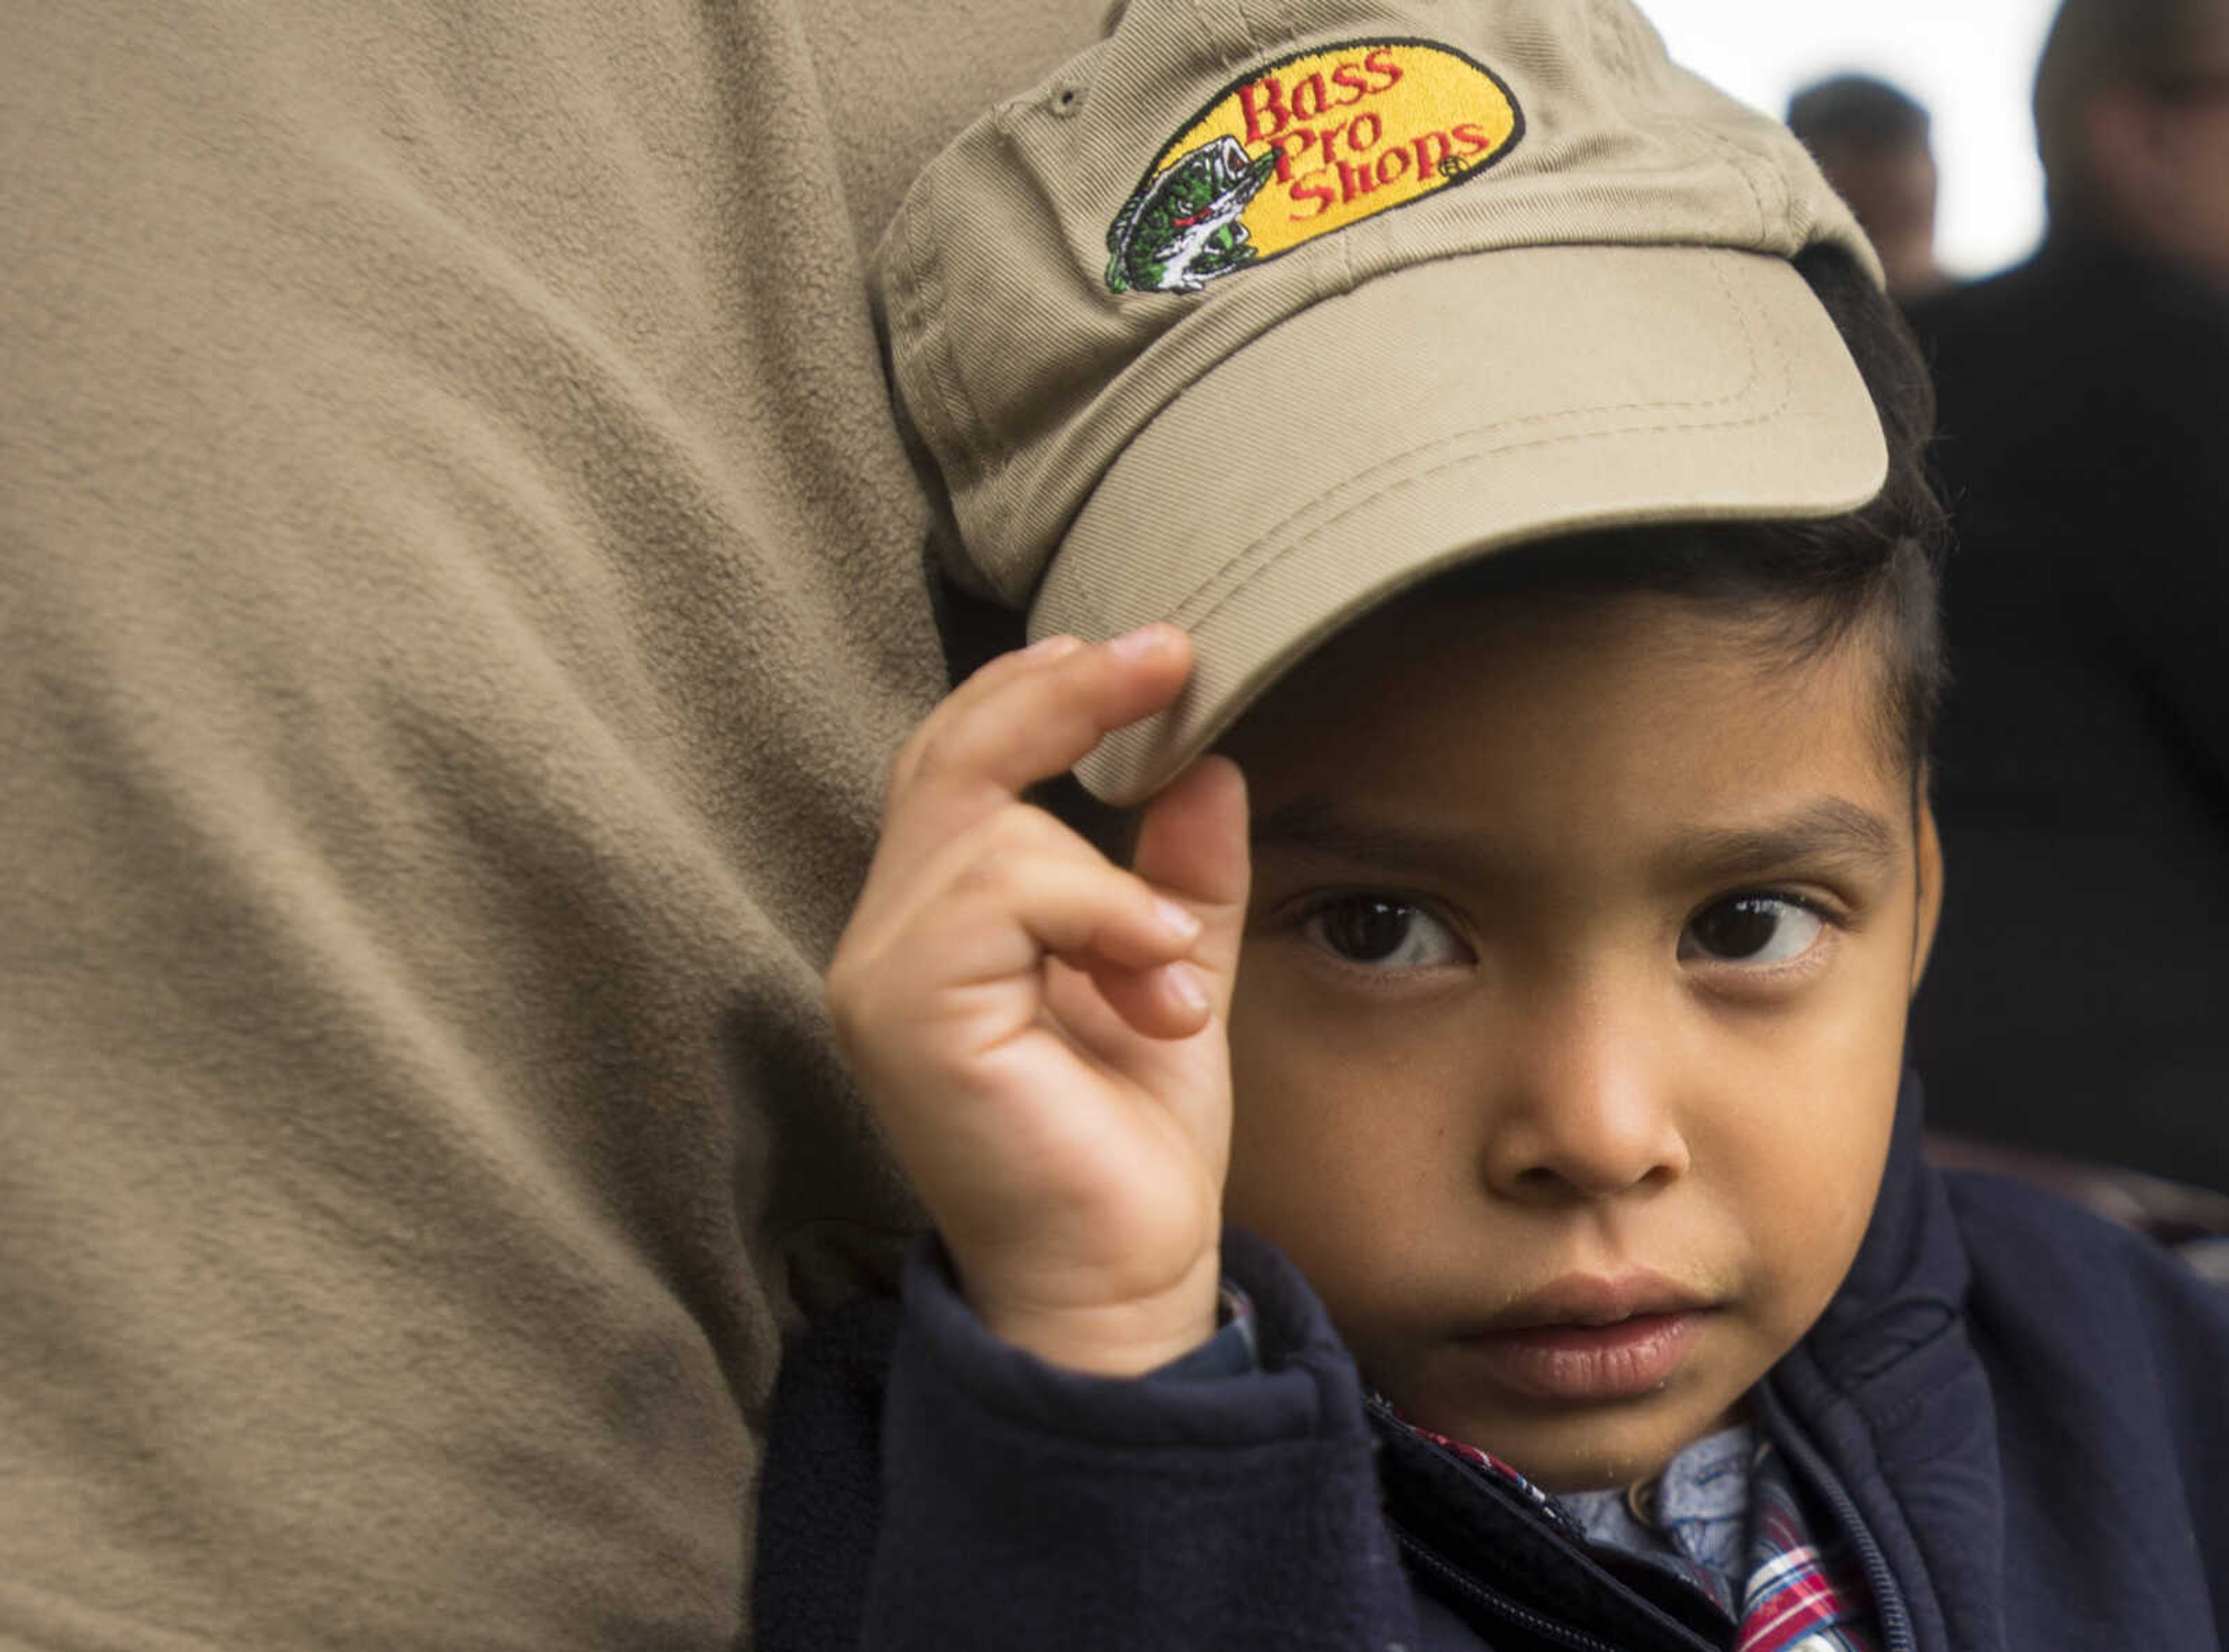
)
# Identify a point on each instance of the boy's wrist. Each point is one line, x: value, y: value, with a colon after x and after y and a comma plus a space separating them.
x: 1123, y: 1338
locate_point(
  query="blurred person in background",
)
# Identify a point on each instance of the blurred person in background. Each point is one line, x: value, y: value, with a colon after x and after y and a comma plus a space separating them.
x: 2080, y: 997
x: 1872, y: 140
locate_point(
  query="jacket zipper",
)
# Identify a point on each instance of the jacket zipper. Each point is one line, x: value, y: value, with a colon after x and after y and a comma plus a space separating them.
x: 1507, y: 1609
x: 1896, y: 1622
x: 1500, y: 1606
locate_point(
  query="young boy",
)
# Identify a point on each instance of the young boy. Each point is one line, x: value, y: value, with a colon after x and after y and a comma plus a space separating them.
x: 1494, y: 442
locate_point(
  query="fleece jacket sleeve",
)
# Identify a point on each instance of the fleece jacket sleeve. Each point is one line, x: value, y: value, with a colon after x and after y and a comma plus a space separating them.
x: 461, y: 585
x: 1027, y: 1507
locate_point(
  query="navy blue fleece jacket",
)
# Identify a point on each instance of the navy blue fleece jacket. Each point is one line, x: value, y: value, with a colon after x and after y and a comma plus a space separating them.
x: 2019, y: 1415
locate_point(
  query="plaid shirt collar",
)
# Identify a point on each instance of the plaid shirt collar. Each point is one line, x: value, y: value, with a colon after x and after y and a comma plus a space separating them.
x: 1803, y: 1589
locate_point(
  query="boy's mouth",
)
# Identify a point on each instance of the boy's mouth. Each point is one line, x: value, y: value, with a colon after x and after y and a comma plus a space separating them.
x: 1590, y: 1338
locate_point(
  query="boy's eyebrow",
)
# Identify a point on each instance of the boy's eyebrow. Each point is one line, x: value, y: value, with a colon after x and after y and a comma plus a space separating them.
x: 1827, y: 829
x: 1313, y: 823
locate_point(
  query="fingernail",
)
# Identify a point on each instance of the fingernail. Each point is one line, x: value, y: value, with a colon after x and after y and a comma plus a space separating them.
x: 1187, y: 988
x: 1135, y: 645
x: 1052, y: 648
x: 1178, y: 919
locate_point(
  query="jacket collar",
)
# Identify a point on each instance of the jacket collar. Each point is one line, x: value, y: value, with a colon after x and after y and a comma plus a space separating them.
x: 1889, y: 1400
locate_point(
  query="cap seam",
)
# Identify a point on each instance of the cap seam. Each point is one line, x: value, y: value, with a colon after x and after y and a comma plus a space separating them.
x: 1257, y: 43
x: 1185, y: 617
x: 900, y: 307
x: 1251, y: 563
x: 1335, y: 281
x: 956, y: 406
x: 1734, y: 158
x: 1219, y: 38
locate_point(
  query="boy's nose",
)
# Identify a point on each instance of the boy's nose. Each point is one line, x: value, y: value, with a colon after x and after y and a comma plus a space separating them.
x: 1585, y: 1110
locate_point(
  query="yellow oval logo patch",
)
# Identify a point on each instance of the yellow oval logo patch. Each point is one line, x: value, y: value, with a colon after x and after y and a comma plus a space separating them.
x: 1305, y: 146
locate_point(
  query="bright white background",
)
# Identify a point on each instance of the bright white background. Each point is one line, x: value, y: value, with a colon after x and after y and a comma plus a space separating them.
x: 1971, y: 62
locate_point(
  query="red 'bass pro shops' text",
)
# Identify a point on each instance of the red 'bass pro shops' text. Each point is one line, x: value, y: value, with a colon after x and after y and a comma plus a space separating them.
x: 1333, y: 147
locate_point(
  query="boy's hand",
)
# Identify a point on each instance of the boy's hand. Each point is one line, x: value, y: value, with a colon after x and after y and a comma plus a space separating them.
x: 1042, y: 1033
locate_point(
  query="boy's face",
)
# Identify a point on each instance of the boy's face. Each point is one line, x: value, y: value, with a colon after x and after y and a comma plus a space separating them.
x: 1569, y: 1027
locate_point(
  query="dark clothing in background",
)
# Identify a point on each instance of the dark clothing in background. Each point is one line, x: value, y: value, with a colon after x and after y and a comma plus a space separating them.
x: 2013, y: 1406
x: 2078, y: 998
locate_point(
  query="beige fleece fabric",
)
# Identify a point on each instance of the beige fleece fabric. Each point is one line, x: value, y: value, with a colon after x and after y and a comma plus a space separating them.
x: 459, y: 584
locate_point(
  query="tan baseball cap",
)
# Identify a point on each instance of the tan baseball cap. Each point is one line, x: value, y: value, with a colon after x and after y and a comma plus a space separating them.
x: 1260, y: 312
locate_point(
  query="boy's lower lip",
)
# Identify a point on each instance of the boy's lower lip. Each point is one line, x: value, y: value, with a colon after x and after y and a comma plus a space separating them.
x: 1623, y: 1361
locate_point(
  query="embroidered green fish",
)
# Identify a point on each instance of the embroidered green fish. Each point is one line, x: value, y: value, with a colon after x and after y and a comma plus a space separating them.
x: 1181, y: 229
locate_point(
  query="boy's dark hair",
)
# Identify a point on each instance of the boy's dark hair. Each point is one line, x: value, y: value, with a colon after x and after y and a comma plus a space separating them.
x: 1808, y: 586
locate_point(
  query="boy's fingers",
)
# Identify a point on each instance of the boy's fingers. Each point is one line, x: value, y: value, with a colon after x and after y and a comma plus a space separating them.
x: 1173, y: 1001
x: 990, y: 903
x: 1087, y: 911
x: 1006, y: 857
x: 1015, y: 724
x: 1193, y: 845
x: 995, y: 927
x: 1104, y: 1012
x: 1193, y: 840
x: 1006, y: 667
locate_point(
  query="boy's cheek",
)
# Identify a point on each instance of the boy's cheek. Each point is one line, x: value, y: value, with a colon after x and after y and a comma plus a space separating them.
x: 1806, y: 1208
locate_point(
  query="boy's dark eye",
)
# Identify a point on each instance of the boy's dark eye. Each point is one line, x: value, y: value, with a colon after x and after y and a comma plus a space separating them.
x: 1371, y: 930
x: 1753, y: 929
x: 1366, y: 931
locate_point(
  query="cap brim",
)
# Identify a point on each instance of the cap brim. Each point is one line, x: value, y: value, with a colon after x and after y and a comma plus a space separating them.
x: 1435, y: 414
